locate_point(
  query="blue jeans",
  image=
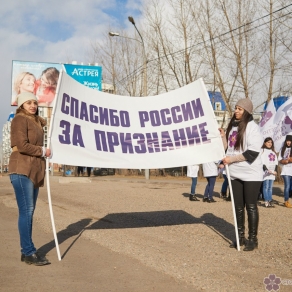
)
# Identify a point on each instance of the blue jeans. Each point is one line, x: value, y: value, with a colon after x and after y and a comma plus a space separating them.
x: 268, y: 189
x: 26, y: 197
x: 287, y: 183
x: 194, y: 184
x: 210, y: 187
x: 225, y: 184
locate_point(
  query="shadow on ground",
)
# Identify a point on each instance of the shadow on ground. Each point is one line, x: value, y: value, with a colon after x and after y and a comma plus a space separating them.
x: 141, y: 220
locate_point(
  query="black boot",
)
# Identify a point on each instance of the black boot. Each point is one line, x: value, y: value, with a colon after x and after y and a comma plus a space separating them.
x: 223, y: 195
x: 253, y: 222
x: 35, y: 259
x: 193, y: 198
x: 239, y: 211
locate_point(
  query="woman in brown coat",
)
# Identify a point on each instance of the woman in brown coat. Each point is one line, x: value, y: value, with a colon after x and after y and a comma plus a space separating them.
x: 27, y: 170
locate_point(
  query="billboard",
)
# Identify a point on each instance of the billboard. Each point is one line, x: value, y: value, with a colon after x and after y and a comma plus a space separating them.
x: 89, y: 76
x: 41, y: 79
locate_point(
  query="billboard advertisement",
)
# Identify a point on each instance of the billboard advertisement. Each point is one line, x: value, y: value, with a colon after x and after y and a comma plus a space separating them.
x: 41, y: 79
x: 89, y: 76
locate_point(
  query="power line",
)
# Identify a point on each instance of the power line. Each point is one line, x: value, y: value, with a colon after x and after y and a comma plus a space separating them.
x: 228, y: 32
x: 215, y: 38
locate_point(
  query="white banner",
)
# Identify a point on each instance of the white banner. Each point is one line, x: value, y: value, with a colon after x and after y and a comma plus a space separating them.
x: 92, y: 128
x: 282, y: 124
x: 267, y: 122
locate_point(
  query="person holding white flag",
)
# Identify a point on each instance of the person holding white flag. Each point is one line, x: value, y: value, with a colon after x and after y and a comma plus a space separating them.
x: 245, y: 167
x: 285, y: 158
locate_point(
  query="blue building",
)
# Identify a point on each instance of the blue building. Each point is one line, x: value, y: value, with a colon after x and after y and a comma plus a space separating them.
x: 11, y: 116
x: 278, y: 101
x: 217, y: 101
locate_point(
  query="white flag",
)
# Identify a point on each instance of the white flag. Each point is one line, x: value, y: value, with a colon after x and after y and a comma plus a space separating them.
x: 267, y: 122
x: 282, y: 124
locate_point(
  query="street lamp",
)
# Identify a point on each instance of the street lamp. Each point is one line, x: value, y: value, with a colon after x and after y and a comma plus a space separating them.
x: 113, y: 33
x: 131, y: 19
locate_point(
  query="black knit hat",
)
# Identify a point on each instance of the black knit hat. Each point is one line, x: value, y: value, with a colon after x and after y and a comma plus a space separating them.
x: 289, y: 138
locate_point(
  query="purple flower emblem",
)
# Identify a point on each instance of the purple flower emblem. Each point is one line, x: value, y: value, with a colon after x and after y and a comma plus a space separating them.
x: 272, y: 283
x: 288, y: 121
x: 272, y: 157
x: 232, y: 139
x: 286, y: 126
x: 265, y: 118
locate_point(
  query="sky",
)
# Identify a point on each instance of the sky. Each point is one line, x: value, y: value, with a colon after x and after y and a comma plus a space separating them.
x: 55, y: 31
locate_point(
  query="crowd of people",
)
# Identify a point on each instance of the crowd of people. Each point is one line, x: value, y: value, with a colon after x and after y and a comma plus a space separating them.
x: 270, y: 161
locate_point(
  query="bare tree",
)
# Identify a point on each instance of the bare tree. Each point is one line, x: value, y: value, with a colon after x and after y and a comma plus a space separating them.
x: 121, y: 59
x: 241, y: 48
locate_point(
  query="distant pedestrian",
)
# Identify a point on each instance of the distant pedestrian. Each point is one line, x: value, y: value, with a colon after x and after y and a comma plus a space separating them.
x: 80, y: 170
x: 192, y: 172
x: 285, y: 158
x: 270, y: 164
x: 224, y: 186
x: 210, y: 171
x: 88, y: 171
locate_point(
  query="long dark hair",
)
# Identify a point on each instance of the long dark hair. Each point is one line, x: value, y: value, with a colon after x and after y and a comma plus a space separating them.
x: 284, y: 148
x: 246, y: 117
x: 267, y: 140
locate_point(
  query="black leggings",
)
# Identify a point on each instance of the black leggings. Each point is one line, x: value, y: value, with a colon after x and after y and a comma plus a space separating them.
x: 245, y: 192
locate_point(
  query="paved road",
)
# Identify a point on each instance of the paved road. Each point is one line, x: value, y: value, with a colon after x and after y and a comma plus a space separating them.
x: 86, y: 266
x: 129, y: 234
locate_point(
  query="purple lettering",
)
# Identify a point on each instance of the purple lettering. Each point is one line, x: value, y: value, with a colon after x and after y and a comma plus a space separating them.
x: 144, y: 117
x: 197, y: 108
x: 100, y: 141
x: 179, y: 137
x: 141, y: 142
x: 126, y: 142
x: 77, y: 136
x: 64, y: 107
x: 113, y: 140
x: 166, y: 141
x: 152, y: 142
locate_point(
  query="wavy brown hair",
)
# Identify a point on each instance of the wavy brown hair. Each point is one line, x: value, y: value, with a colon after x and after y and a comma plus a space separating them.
x: 267, y: 140
x: 246, y: 117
